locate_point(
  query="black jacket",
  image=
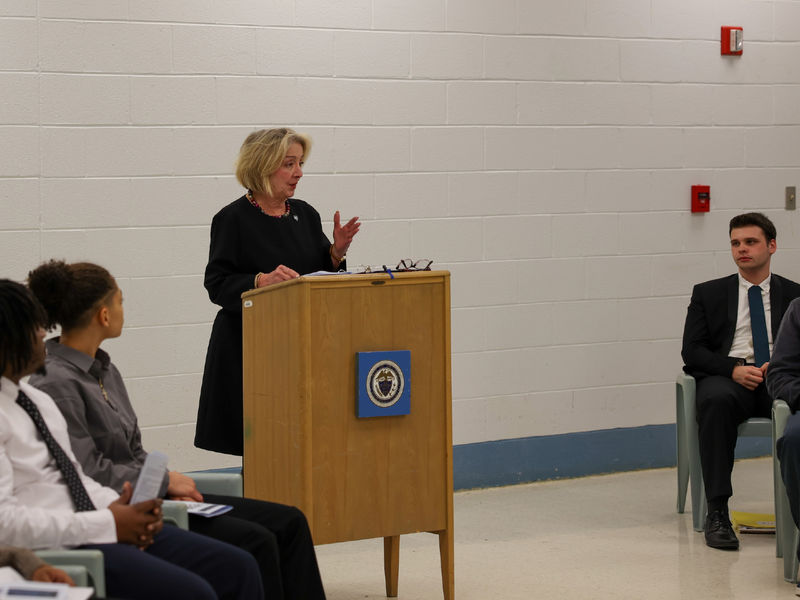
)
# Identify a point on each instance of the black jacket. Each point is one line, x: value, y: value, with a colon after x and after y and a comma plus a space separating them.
x: 711, y: 322
x: 245, y: 242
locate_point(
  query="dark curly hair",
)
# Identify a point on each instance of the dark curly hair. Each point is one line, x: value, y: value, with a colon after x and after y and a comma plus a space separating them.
x: 70, y: 293
x: 20, y: 317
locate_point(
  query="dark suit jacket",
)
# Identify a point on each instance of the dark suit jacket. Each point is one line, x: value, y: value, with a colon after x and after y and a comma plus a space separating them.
x: 711, y: 322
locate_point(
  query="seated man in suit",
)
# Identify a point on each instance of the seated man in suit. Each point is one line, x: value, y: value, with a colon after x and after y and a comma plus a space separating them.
x: 46, y: 501
x: 727, y: 340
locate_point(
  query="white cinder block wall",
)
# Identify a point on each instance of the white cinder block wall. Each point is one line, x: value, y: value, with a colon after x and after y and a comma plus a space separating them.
x: 541, y: 150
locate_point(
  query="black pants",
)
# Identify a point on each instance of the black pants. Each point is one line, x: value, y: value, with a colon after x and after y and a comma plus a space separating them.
x: 722, y: 405
x: 180, y: 564
x: 277, y: 536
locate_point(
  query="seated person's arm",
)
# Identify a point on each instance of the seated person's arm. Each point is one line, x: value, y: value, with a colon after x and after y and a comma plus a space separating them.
x: 697, y: 352
x: 30, y: 566
x: 87, y: 450
x: 223, y: 279
x: 136, y: 524
x: 182, y: 487
x: 36, y: 527
x: 783, y: 375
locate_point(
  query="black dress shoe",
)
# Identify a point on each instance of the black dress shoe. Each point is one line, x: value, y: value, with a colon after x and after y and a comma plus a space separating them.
x: 719, y: 533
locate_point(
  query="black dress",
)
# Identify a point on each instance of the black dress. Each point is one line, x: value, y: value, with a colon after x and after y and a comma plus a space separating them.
x: 244, y: 242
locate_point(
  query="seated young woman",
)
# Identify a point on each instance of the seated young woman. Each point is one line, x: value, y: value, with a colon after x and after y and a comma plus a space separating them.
x: 84, y: 299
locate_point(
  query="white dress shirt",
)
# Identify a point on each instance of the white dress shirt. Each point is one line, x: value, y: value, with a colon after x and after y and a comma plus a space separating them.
x: 742, y: 346
x: 36, y: 509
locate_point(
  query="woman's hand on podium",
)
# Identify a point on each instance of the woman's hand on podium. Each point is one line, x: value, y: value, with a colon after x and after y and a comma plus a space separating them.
x: 282, y: 273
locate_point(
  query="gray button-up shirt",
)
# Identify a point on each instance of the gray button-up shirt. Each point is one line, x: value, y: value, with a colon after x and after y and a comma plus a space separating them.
x: 102, y: 426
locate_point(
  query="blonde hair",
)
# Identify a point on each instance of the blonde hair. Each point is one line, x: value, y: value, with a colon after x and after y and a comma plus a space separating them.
x: 262, y: 154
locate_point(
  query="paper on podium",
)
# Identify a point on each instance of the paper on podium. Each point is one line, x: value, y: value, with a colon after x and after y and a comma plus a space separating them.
x: 315, y: 273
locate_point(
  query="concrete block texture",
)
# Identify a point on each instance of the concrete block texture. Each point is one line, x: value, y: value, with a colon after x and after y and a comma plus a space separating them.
x: 293, y: 52
x: 84, y: 9
x: 18, y: 8
x: 105, y: 47
x: 20, y: 152
x: 19, y: 44
x: 199, y: 49
x: 542, y: 152
x: 371, y: 54
x: 19, y: 203
x: 409, y: 15
x: 86, y: 99
x: 484, y: 17
x: 440, y: 56
x: 19, y: 98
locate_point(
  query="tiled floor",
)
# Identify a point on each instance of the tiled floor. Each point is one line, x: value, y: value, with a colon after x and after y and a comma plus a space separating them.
x: 607, y: 537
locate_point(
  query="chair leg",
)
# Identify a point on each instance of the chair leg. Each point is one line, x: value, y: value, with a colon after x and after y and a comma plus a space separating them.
x: 790, y: 561
x: 785, y: 529
x: 786, y: 532
x: 699, y: 507
x: 699, y: 504
x: 781, y: 508
x: 682, y: 449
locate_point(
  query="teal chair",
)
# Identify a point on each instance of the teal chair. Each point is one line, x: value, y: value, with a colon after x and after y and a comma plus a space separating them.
x: 213, y: 482
x: 208, y: 482
x: 785, y: 528
x: 84, y: 566
x: 688, y: 450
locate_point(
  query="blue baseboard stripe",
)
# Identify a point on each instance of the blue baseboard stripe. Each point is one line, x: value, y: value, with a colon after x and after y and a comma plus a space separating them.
x: 522, y: 460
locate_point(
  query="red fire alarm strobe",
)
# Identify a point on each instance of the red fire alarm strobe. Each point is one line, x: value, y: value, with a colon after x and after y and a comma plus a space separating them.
x: 701, y: 198
x: 732, y: 40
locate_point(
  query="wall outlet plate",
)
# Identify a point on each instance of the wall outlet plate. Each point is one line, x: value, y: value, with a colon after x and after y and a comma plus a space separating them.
x: 791, y: 198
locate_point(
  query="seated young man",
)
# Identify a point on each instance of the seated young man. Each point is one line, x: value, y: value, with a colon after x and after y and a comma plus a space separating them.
x: 727, y: 341
x: 46, y: 501
x: 84, y: 299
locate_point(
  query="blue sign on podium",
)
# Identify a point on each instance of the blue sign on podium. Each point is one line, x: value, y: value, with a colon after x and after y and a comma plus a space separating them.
x: 384, y: 383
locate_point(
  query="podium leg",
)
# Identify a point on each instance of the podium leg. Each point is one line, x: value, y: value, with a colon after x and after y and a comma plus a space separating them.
x: 448, y: 564
x: 391, y: 563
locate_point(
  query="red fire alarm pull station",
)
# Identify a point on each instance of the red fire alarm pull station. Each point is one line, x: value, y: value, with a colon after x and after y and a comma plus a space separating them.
x: 701, y: 198
x: 732, y: 40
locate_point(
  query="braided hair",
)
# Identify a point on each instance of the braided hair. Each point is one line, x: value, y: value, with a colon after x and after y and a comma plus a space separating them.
x: 21, y: 315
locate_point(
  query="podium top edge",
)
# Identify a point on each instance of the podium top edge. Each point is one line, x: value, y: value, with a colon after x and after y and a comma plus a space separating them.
x: 353, y: 277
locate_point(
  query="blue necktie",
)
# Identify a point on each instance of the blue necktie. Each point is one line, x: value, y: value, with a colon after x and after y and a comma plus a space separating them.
x: 758, y: 325
x: 80, y: 497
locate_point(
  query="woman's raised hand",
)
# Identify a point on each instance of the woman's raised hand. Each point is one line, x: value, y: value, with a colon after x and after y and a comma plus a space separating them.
x: 343, y: 234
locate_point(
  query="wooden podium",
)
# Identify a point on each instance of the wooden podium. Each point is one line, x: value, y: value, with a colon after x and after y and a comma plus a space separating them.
x: 354, y: 478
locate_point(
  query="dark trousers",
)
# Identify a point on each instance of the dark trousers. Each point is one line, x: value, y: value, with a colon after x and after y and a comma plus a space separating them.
x: 722, y: 405
x: 180, y: 564
x: 277, y: 536
x: 788, y: 448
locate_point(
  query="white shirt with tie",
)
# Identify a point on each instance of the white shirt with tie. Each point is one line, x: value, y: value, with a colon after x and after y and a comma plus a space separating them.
x: 742, y: 346
x: 36, y: 509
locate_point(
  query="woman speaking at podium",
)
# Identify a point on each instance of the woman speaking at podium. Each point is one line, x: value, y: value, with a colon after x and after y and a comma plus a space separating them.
x: 264, y: 237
